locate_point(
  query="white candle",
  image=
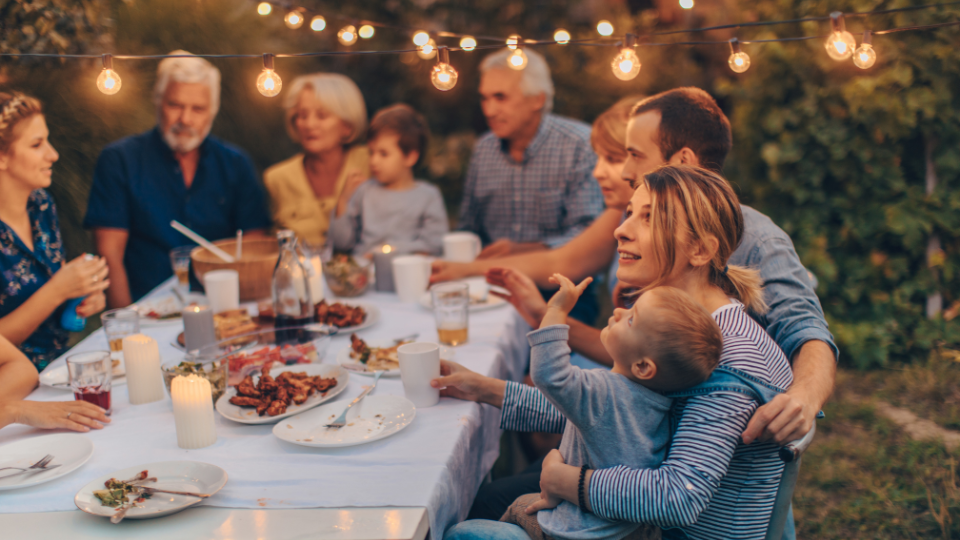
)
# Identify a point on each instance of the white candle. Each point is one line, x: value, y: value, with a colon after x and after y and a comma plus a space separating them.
x: 316, y: 280
x: 193, y: 411
x: 141, y: 358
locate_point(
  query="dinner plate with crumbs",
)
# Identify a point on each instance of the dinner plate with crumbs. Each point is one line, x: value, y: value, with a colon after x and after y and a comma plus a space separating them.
x: 371, y: 317
x: 248, y: 413
x: 165, y: 309
x: 382, y: 356
x: 374, y: 418
x: 187, y: 476
x: 69, y: 451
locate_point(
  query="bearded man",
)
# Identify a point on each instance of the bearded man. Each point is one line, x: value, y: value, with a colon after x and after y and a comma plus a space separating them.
x: 175, y: 171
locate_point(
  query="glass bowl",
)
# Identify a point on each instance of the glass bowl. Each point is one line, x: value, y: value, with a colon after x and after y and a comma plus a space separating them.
x: 348, y: 276
x: 247, y: 353
x: 212, y: 370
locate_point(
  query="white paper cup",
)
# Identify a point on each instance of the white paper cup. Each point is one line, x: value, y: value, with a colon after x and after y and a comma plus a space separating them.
x: 411, y: 275
x: 461, y: 246
x: 419, y: 364
x: 223, y: 289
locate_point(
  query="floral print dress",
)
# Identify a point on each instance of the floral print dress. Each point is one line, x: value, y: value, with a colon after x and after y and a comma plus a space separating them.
x: 25, y: 271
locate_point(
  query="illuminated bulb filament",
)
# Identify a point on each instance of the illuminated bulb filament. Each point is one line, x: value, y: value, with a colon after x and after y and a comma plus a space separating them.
x: 269, y: 83
x: 444, y: 77
x: 561, y: 36
x: 318, y: 23
x: 109, y: 82
x: 366, y: 31
x: 264, y: 8
x: 468, y: 43
x: 421, y: 38
x: 865, y: 56
x: 626, y: 65
x: 428, y: 50
x: 517, y: 60
x: 512, y: 41
x: 293, y: 20
x: 605, y: 28
x: 686, y: 4
x: 347, y: 35
x: 840, y: 44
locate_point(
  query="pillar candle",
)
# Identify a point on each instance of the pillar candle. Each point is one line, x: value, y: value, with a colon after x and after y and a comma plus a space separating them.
x: 383, y: 266
x: 193, y: 411
x: 198, y: 329
x: 316, y: 279
x: 142, y: 362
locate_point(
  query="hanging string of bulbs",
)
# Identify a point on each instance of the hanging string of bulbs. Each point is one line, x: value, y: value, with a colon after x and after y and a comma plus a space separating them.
x: 840, y: 45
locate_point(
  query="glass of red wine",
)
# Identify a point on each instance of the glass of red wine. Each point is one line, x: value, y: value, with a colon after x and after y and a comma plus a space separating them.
x: 91, y: 376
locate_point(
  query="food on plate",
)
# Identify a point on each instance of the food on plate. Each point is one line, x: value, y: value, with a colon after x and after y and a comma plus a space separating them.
x: 346, y: 276
x: 340, y: 315
x: 116, y: 493
x: 242, y: 362
x: 272, y: 396
x: 232, y: 323
x: 375, y: 358
x: 211, y: 371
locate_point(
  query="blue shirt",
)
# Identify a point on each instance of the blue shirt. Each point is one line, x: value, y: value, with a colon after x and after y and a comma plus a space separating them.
x: 25, y: 271
x: 138, y: 187
x: 548, y: 197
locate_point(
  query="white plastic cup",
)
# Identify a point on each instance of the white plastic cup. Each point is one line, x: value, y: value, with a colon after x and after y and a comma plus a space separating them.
x: 461, y: 246
x: 411, y: 276
x: 420, y: 364
x: 223, y: 289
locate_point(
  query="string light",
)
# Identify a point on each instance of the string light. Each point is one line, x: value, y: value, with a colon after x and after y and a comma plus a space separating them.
x: 293, y: 20
x: 421, y: 38
x: 864, y: 57
x: 318, y: 23
x: 840, y: 44
x: 269, y: 83
x: 512, y: 41
x: 605, y: 28
x: 366, y: 31
x: 347, y: 35
x: 739, y: 61
x: 686, y: 4
x: 443, y: 76
x: 108, y: 81
x: 428, y: 50
x: 468, y: 43
x: 626, y: 65
x: 561, y: 36
x: 518, y: 59
x: 264, y: 8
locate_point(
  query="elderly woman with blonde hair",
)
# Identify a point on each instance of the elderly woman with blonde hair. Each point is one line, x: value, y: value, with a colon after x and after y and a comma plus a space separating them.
x: 326, y: 115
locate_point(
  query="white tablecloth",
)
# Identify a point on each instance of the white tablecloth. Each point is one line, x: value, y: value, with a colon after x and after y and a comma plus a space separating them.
x: 437, y: 462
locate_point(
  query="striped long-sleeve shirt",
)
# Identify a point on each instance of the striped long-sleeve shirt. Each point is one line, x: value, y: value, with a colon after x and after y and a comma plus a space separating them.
x: 710, y: 486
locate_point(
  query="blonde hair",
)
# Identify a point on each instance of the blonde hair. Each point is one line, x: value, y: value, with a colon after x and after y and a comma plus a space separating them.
x: 337, y: 93
x: 609, y: 133
x: 711, y: 210
x: 15, y: 108
x: 190, y: 70
x: 535, y: 78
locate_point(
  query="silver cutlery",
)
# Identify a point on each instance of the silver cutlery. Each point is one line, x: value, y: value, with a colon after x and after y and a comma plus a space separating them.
x: 42, y: 465
x: 411, y: 337
x: 342, y: 419
x: 152, y: 490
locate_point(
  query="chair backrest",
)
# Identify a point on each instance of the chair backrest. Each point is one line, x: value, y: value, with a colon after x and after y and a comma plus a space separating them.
x: 790, y: 454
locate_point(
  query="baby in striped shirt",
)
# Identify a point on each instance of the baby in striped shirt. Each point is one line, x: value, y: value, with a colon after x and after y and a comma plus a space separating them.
x: 666, y: 342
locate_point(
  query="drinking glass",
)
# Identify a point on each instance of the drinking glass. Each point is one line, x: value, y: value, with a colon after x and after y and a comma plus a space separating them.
x: 118, y: 324
x: 180, y: 260
x: 451, y: 304
x: 91, y: 376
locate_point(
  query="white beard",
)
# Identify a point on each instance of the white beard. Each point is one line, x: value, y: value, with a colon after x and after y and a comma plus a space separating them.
x: 173, y: 136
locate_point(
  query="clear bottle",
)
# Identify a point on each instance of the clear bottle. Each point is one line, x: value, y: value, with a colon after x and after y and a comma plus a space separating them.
x: 292, y: 304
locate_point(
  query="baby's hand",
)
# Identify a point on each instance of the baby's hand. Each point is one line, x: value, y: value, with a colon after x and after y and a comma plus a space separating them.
x: 567, y: 296
x: 545, y: 502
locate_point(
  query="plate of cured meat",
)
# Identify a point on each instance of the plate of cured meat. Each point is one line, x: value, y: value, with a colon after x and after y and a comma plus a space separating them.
x: 269, y: 395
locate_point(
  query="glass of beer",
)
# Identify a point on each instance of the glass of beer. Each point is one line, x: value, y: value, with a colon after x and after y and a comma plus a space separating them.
x: 451, y: 304
x: 118, y: 324
x: 91, y: 377
x: 180, y: 260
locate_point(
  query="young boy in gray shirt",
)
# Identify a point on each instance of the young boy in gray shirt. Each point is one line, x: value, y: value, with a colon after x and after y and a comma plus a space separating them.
x: 393, y: 208
x: 665, y: 342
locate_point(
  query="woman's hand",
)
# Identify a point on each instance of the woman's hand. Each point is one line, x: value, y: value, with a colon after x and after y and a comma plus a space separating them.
x: 565, y: 298
x: 441, y: 271
x: 91, y: 305
x: 74, y: 415
x: 524, y: 294
x: 459, y: 382
x: 80, y: 277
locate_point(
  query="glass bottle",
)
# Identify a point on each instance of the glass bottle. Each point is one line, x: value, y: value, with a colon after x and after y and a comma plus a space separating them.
x: 291, y: 289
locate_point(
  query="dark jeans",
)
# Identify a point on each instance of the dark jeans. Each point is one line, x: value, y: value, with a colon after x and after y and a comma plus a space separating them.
x: 494, y: 498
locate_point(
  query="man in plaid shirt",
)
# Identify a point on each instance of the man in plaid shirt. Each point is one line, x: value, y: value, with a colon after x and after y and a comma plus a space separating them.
x: 529, y: 185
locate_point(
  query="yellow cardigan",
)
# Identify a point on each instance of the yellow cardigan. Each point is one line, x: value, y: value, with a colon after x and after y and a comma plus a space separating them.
x: 296, y: 206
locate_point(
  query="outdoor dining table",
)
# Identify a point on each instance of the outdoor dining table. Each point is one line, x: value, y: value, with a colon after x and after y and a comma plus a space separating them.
x: 423, y: 477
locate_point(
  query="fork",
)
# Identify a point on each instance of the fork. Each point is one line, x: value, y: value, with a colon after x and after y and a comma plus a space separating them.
x: 38, y: 466
x: 342, y: 419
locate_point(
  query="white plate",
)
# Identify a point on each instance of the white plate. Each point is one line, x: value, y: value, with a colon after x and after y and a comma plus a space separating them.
x: 69, y: 450
x: 59, y: 377
x: 165, y: 304
x: 373, y: 315
x: 356, y: 366
x: 191, y: 476
x: 363, y: 424
x: 491, y: 302
x: 248, y: 415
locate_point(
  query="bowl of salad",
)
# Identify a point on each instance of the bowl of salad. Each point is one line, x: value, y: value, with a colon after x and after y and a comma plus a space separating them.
x: 348, y: 276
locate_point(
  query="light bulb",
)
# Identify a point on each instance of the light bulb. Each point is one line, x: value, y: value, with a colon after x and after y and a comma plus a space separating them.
x: 109, y: 82
x: 421, y: 38
x: 318, y: 23
x: 293, y: 20
x: 686, y: 4
x: 269, y: 83
x: 626, y: 65
x: 428, y: 50
x: 865, y: 56
x: 561, y: 36
x: 604, y: 28
x: 517, y: 60
x: 739, y: 62
x: 366, y: 31
x: 264, y: 8
x: 347, y: 35
x: 512, y: 41
x: 443, y: 76
x: 467, y: 43
x: 840, y: 45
